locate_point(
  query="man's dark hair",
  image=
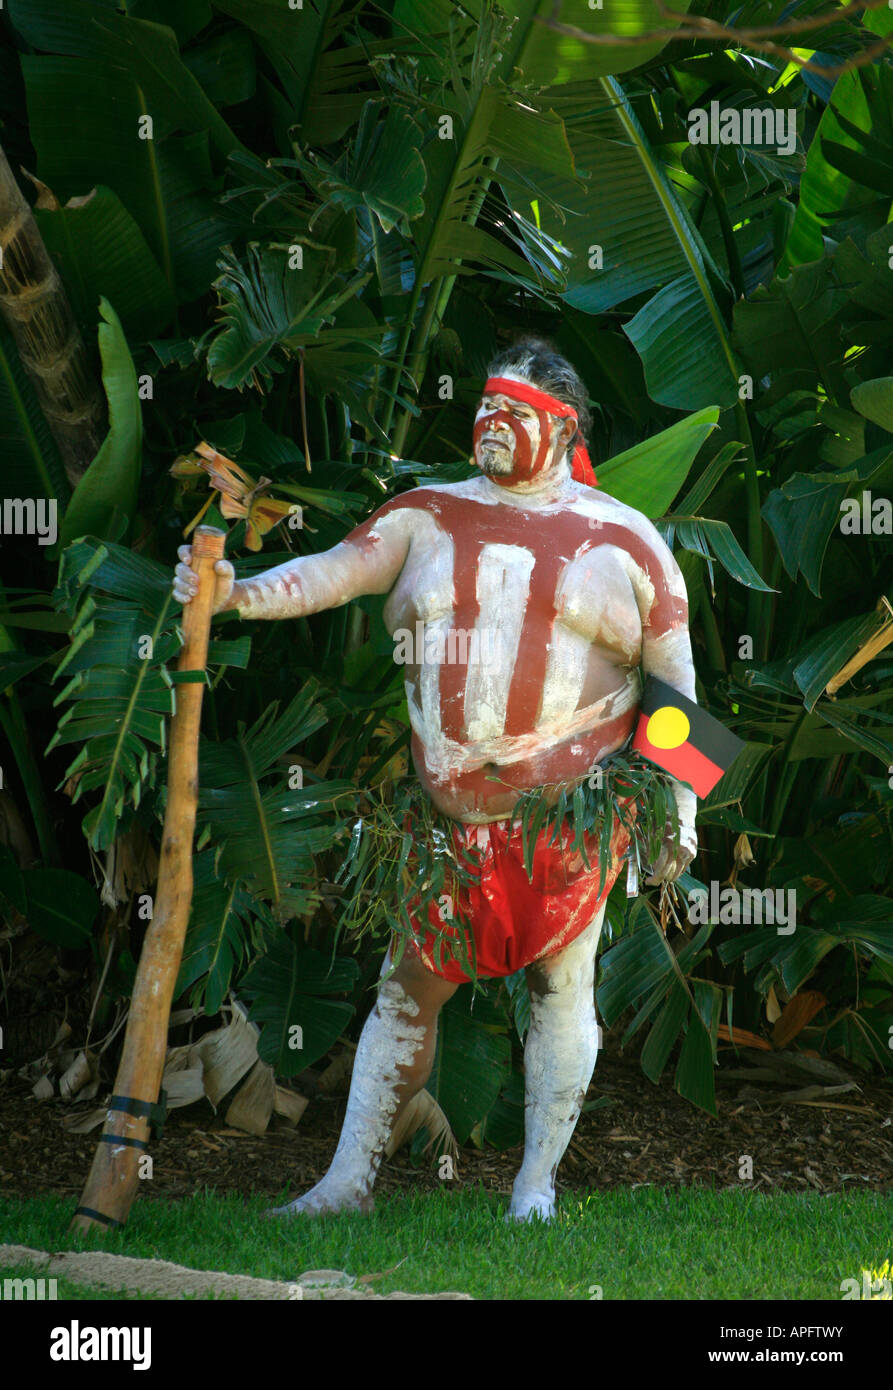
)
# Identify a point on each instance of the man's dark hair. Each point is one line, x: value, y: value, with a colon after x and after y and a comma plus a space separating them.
x: 542, y: 364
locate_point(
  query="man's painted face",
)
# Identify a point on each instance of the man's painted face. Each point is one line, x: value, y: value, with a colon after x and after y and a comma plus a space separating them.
x: 512, y: 440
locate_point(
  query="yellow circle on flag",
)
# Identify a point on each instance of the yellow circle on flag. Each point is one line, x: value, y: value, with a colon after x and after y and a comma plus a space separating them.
x: 668, y: 727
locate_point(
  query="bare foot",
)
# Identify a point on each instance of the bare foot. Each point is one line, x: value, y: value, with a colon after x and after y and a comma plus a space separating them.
x: 531, y: 1206
x: 324, y: 1200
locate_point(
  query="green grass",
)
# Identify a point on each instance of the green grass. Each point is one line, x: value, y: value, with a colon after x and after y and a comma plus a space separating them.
x: 678, y: 1243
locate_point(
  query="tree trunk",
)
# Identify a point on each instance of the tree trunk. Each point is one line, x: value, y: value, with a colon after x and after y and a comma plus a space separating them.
x: 35, y: 306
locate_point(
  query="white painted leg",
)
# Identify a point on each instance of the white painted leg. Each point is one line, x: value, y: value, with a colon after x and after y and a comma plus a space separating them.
x: 559, y: 1059
x: 389, y: 1040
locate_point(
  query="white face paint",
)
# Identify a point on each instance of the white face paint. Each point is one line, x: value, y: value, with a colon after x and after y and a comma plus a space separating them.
x: 509, y: 444
x: 495, y: 452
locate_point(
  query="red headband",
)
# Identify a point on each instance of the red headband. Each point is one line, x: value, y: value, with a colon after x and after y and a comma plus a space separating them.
x: 581, y: 466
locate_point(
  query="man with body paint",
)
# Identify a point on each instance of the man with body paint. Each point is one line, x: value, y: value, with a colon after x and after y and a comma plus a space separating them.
x: 577, y: 596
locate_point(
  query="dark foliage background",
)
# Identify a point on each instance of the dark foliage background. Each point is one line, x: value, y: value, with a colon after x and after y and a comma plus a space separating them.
x: 342, y: 212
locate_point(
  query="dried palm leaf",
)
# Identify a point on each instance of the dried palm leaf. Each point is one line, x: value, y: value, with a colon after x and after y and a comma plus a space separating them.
x: 131, y: 865
x: 183, y: 1087
x: 252, y: 1104
x: 336, y: 1076
x: 423, y: 1110
x: 289, y: 1105
x: 226, y: 1055
x: 78, y: 1074
x: 82, y: 1124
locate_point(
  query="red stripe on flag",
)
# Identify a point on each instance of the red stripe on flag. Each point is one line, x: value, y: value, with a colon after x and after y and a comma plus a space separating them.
x: 684, y: 762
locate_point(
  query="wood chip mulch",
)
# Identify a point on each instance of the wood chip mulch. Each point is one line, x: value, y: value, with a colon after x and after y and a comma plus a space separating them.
x: 800, y: 1136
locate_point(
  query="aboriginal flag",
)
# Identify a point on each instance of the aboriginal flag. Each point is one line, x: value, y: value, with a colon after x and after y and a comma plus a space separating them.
x: 682, y: 738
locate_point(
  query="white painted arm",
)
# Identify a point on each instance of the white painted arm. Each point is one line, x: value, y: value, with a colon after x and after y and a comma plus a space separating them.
x: 367, y: 561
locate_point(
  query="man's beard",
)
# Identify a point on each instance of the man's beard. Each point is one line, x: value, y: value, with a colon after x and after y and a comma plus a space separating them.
x: 495, y: 458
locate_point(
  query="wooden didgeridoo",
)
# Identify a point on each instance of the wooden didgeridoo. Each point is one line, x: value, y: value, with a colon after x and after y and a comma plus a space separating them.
x: 112, y: 1182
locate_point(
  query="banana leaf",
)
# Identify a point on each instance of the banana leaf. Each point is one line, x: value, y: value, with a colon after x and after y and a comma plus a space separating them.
x: 104, y: 501
x: 267, y: 834
x: 472, y: 1062
x: 288, y: 987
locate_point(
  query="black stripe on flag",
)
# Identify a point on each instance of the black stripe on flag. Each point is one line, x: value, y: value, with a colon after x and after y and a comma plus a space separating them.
x: 707, y: 734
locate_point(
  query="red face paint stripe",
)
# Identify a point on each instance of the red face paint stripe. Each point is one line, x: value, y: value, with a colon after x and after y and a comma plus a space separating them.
x: 530, y: 395
x: 581, y: 466
x: 524, y: 467
x: 553, y: 540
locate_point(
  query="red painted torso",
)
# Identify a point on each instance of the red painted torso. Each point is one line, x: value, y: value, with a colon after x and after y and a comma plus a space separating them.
x: 550, y: 590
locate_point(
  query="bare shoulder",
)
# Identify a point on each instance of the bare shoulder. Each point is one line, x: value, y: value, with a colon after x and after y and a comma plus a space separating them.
x: 602, y: 509
x: 412, y: 515
x: 429, y: 501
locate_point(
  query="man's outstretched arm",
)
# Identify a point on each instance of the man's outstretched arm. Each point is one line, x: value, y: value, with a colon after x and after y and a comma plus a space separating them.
x: 311, y: 583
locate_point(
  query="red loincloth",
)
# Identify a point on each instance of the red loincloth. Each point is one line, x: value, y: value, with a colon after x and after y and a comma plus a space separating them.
x: 515, y: 921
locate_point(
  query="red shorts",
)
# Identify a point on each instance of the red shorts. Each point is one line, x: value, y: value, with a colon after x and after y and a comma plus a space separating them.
x: 513, y: 920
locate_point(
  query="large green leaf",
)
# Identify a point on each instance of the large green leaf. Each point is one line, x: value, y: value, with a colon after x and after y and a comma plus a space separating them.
x: 15, y: 665
x: 792, y: 326
x: 543, y: 56
x: 664, y: 1032
x: 802, y: 514
x: 874, y: 400
x: 382, y: 171
x: 287, y: 986
x: 272, y: 306
x: 627, y: 206
x: 694, y: 1071
x: 648, y: 242
x: 84, y: 123
x: 842, y: 717
x: 685, y: 347
x: 98, y: 250
x: 104, y: 500
x: 861, y: 922
x: 713, y: 540
x: 59, y: 905
x: 490, y: 124
x: 148, y: 53
x: 224, y: 67
x: 830, y: 651
x: 186, y: 17
x: 649, y: 475
x: 119, y: 696
x: 472, y: 1062
x: 805, y: 512
x: 216, y: 938
x: 325, y: 78
x: 634, y: 966
x: 862, y: 99
x: 52, y: 26
x: 642, y: 972
x: 267, y: 832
